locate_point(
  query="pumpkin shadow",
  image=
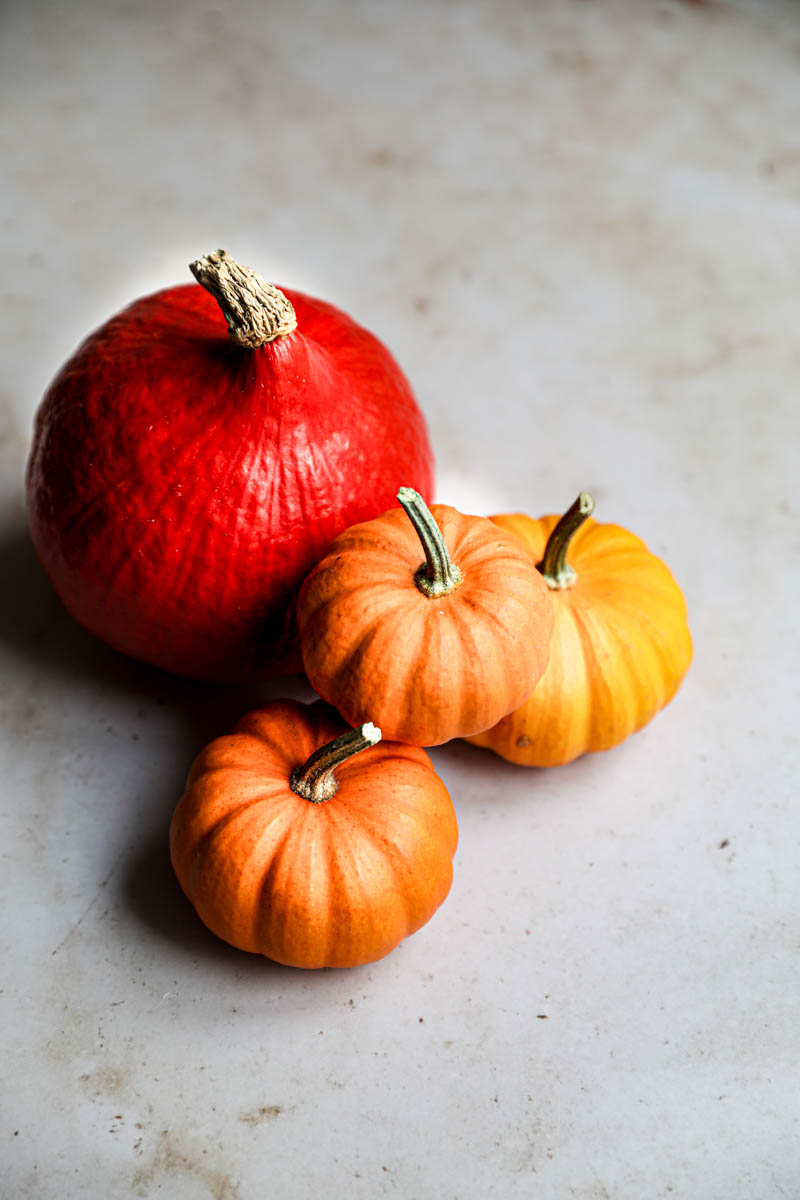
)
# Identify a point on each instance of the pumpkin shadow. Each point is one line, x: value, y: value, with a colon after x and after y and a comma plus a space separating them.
x: 43, y: 644
x: 37, y: 631
x: 34, y: 627
x: 152, y: 895
x: 487, y: 774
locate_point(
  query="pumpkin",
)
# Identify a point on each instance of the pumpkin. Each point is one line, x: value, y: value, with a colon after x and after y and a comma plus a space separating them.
x: 184, y: 477
x: 292, y: 843
x: 434, y: 650
x: 621, y: 643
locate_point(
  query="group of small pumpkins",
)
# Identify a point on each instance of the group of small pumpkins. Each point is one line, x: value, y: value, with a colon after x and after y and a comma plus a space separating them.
x: 224, y: 507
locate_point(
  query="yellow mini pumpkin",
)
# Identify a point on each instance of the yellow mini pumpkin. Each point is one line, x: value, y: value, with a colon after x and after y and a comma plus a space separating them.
x: 621, y: 643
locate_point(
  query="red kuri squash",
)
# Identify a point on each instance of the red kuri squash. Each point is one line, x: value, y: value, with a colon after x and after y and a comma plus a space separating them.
x: 182, y: 482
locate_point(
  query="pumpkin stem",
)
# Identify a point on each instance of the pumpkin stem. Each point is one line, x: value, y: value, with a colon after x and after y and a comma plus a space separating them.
x: 557, y: 572
x: 438, y: 575
x: 315, y: 780
x: 255, y: 310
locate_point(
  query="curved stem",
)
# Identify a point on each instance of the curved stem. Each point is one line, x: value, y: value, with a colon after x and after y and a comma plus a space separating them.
x: 256, y: 311
x: 315, y: 780
x: 438, y: 575
x: 557, y: 572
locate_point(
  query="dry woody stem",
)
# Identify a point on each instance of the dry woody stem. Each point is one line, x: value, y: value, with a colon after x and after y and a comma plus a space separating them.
x: 256, y: 311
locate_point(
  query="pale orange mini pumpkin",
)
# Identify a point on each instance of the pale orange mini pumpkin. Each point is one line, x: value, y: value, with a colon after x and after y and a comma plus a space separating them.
x: 621, y: 643
x: 289, y: 846
x: 435, y: 650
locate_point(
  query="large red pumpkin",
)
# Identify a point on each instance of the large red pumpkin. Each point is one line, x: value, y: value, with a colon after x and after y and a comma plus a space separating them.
x: 183, y: 482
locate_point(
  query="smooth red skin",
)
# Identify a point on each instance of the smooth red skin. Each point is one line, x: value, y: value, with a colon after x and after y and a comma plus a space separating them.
x: 181, y: 487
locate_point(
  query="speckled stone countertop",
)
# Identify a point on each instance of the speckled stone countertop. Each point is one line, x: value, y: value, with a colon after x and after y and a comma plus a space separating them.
x: 577, y: 225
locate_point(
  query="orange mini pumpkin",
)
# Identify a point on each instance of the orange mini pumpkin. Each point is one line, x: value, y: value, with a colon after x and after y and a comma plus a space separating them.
x: 289, y: 846
x: 621, y: 643
x: 432, y: 651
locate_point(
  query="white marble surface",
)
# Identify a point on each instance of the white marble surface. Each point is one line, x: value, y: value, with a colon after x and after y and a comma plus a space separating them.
x: 577, y: 226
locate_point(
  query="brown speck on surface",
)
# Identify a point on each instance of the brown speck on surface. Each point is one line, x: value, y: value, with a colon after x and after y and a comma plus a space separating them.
x: 725, y: 842
x: 572, y: 60
x: 541, y: 1016
x: 257, y: 1116
x: 523, y: 741
x: 422, y: 1020
x: 110, y: 1080
x: 421, y: 304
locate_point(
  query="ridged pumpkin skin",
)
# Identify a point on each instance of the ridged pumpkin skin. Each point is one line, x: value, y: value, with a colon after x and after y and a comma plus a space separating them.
x: 426, y: 670
x: 621, y: 646
x: 331, y: 884
x: 180, y: 486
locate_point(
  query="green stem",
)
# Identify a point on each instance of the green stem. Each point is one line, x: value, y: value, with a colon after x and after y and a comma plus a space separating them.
x: 557, y: 572
x: 438, y: 575
x: 315, y: 780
